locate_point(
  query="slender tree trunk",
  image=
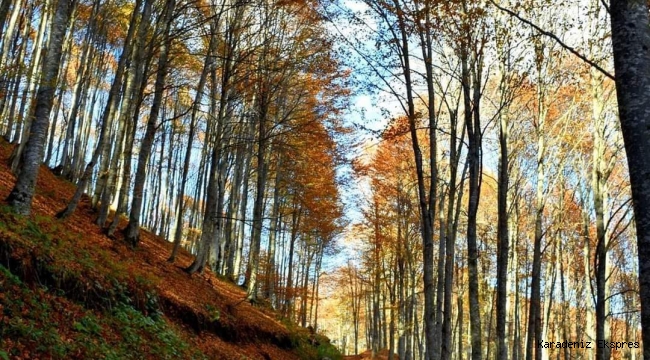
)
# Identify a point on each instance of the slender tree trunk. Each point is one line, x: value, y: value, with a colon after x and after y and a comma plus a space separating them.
x: 20, y: 198
x: 132, y: 231
x: 109, y: 111
x: 427, y: 207
x: 208, y: 64
x: 136, y: 83
x: 600, y: 175
x: 15, y: 80
x: 288, y: 296
x: 450, y: 234
x: 9, y: 33
x: 275, y: 222
x: 502, y: 240
x: 474, y: 160
x: 211, y: 218
x: 258, y: 206
x: 241, y: 229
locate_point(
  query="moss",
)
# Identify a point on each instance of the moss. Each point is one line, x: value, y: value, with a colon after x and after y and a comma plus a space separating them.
x: 64, y: 297
x: 31, y: 322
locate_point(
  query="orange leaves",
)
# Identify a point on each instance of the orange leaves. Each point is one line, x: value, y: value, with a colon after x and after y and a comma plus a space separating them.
x: 308, y: 169
x: 290, y: 2
x: 93, y: 267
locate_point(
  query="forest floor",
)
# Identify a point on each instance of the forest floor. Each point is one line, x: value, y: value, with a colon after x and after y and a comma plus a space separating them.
x: 67, y: 291
x: 367, y: 355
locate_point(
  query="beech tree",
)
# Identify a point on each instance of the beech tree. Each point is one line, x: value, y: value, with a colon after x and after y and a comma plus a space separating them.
x: 630, y: 38
x: 535, y: 85
x: 31, y: 157
x: 489, y: 207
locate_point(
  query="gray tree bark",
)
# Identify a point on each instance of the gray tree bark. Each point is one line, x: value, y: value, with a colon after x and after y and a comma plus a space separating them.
x: 132, y: 231
x: 20, y: 198
x: 109, y: 111
x: 631, y: 40
x: 208, y: 63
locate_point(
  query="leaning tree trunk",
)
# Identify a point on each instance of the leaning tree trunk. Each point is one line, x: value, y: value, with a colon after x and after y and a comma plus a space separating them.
x: 208, y: 63
x: 132, y: 231
x: 136, y: 84
x: 23, y: 125
x: 109, y: 111
x: 21, y: 195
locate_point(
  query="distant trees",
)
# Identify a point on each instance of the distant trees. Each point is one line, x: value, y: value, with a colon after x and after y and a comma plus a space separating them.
x: 521, y: 162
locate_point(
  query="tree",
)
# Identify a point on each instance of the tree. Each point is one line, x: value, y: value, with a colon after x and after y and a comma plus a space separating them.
x: 630, y: 39
x: 132, y: 231
x: 109, y: 112
x: 21, y: 195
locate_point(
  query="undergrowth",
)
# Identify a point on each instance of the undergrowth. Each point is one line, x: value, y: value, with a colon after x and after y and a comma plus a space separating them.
x: 57, y: 300
x: 62, y: 297
x: 38, y: 323
x: 310, y: 345
x: 43, y: 251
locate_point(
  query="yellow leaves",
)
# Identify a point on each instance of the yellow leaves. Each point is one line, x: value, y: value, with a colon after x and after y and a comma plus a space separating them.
x: 114, y: 17
x: 184, y: 59
x: 184, y: 97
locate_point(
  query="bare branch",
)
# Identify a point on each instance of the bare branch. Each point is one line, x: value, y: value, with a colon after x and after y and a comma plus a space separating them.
x: 557, y: 40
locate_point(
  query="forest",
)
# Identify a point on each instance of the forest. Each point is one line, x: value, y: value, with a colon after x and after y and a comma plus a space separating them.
x: 414, y: 179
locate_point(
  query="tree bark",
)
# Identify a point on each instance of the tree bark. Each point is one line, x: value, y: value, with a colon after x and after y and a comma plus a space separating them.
x: 502, y: 239
x: 470, y: 77
x: 180, y: 213
x: 109, y: 111
x: 132, y: 231
x: 631, y: 41
x: 20, y: 198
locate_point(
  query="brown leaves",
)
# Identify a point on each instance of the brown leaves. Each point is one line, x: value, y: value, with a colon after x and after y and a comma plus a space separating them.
x: 97, y: 259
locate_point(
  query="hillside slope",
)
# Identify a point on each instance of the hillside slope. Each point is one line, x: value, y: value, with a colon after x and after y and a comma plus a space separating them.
x: 68, y: 291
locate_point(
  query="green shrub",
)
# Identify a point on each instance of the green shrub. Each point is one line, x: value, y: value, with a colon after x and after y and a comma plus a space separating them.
x: 329, y: 351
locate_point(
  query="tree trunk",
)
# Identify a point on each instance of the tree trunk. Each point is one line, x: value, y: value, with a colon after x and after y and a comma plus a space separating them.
x: 258, y: 206
x: 238, y: 196
x: 23, y: 125
x: 180, y: 213
x: 273, y: 232
x: 502, y: 240
x: 109, y: 111
x: 427, y: 206
x: 630, y: 41
x: 21, y: 195
x: 288, y: 294
x: 473, y: 126
x: 132, y: 231
x: 534, y: 335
